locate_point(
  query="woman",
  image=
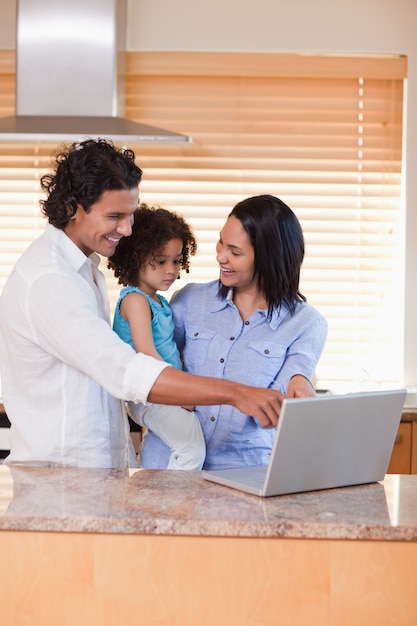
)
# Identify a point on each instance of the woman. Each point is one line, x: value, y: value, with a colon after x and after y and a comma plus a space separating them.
x: 252, y: 326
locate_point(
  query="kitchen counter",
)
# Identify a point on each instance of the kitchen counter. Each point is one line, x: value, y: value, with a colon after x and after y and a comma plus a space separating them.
x: 183, y: 503
x: 168, y: 548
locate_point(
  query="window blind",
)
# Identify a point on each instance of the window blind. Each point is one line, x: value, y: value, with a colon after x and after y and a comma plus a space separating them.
x: 324, y: 133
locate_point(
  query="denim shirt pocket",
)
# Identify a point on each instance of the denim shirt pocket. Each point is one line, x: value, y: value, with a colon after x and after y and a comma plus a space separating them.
x: 197, y: 345
x: 265, y: 360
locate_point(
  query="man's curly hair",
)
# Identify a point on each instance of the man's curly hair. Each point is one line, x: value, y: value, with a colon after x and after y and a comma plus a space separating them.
x: 82, y: 173
x: 152, y: 228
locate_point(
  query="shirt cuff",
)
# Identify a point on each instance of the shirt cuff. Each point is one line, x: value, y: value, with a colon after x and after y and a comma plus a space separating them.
x: 141, y: 374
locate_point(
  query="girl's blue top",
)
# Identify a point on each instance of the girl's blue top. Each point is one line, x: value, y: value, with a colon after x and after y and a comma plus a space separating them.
x: 162, y: 326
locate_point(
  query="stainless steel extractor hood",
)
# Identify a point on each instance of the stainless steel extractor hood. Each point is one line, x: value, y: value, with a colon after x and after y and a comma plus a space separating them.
x: 70, y: 74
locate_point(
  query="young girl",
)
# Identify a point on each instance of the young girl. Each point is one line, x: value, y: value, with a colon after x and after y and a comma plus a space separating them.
x: 149, y: 261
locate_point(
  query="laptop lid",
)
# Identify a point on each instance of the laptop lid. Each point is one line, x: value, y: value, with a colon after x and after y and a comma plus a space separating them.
x: 324, y: 442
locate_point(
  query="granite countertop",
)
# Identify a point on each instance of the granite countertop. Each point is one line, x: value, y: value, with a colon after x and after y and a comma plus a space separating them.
x: 183, y: 503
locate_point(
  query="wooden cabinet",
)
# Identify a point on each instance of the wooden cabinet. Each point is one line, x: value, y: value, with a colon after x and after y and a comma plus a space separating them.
x: 245, y: 580
x: 404, y: 455
x: 400, y: 462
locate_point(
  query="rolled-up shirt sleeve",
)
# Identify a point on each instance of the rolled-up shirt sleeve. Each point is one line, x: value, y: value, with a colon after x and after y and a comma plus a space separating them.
x: 146, y: 369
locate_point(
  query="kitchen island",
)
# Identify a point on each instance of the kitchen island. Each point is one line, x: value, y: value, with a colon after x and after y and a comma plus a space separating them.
x: 112, y: 547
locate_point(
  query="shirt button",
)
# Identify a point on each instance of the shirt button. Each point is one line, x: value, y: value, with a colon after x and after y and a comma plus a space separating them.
x: 213, y: 419
x: 247, y: 323
x: 266, y: 351
x: 195, y: 334
x: 221, y: 360
x: 232, y: 338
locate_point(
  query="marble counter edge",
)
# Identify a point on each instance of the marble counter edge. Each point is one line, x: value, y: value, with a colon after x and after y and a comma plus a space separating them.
x: 170, y: 527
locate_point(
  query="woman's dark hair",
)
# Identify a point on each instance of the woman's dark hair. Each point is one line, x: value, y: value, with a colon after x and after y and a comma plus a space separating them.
x: 277, y: 239
x: 83, y: 172
x: 152, y: 228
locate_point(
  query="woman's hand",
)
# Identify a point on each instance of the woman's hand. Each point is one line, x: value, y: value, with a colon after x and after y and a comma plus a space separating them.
x: 300, y: 387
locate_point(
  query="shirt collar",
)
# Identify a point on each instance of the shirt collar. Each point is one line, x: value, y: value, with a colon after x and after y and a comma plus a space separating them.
x: 276, y: 318
x: 69, y: 249
x: 219, y: 304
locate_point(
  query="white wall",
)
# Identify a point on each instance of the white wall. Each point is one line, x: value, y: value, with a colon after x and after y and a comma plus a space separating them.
x: 273, y: 25
x: 340, y: 26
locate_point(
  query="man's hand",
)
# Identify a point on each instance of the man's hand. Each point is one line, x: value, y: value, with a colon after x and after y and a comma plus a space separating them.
x: 263, y: 404
x: 174, y: 386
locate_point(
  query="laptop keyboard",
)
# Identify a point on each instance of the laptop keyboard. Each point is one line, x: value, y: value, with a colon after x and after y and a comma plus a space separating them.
x: 257, y: 475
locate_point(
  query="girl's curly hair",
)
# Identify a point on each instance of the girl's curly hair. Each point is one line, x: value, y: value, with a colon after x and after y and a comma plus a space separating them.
x: 152, y: 228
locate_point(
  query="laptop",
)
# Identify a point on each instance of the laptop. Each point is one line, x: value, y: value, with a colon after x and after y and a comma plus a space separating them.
x: 324, y: 442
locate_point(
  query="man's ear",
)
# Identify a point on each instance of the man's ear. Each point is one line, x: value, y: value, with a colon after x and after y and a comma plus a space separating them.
x: 72, y: 208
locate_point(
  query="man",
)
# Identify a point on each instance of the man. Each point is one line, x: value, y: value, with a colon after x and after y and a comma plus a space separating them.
x: 65, y: 374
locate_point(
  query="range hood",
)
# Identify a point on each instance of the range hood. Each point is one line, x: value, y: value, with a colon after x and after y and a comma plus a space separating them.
x: 70, y: 74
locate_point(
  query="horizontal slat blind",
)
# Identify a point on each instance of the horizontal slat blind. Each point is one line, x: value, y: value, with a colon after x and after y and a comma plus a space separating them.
x: 21, y: 166
x: 323, y: 133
